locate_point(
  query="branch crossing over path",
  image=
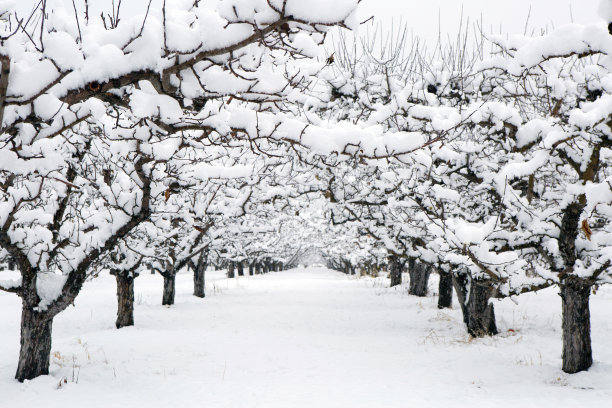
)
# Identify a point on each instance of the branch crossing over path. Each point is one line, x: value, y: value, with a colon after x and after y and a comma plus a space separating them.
x: 303, y: 338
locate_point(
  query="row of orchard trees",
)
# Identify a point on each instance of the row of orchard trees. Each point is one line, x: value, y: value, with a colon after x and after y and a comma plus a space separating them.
x: 150, y: 139
x: 511, y: 191
x: 134, y: 140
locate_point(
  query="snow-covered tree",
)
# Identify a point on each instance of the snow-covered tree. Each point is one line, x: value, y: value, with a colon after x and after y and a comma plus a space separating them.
x: 191, y: 70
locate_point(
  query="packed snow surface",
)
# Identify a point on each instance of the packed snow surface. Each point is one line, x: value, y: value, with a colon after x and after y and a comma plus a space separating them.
x: 303, y: 338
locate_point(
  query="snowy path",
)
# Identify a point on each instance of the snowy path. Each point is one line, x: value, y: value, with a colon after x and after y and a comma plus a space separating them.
x: 303, y: 338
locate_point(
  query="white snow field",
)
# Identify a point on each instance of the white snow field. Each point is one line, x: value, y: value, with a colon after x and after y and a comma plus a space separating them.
x: 303, y: 338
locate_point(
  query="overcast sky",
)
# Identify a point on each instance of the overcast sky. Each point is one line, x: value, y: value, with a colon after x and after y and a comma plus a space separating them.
x: 422, y: 15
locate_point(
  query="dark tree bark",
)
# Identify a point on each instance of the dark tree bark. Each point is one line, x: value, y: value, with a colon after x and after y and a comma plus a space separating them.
x: 419, y: 277
x: 199, y: 276
x: 169, y: 288
x: 395, y: 270
x: 281, y: 267
x: 240, y: 267
x: 125, y: 298
x: 478, y: 313
x: 251, y: 268
x: 257, y: 268
x: 461, y: 283
x: 577, y: 353
x: 230, y: 270
x: 35, y: 351
x: 445, y: 290
x: 576, y: 320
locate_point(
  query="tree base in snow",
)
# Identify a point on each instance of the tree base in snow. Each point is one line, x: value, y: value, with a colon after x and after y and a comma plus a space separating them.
x: 577, y: 353
x: 35, y: 351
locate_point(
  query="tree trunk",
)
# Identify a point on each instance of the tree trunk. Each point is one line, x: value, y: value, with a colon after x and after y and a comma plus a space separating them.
x: 445, y: 290
x: 169, y: 288
x: 230, y: 270
x: 280, y: 267
x: 577, y: 353
x: 395, y: 270
x: 240, y: 268
x: 419, y: 277
x: 35, y: 349
x: 478, y: 313
x: 199, y: 278
x: 125, y: 298
x: 462, y: 286
x: 257, y: 268
x: 251, y: 268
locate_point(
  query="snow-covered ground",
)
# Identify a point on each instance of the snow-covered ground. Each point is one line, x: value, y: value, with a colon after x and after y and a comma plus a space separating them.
x: 303, y: 338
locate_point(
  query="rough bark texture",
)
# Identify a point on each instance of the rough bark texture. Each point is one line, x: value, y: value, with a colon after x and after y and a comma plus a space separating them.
x: 577, y: 353
x: 395, y: 270
x: 478, y: 313
x: 462, y: 286
x: 445, y: 290
x: 199, y: 279
x: 125, y: 299
x: 240, y: 267
x: 169, y: 288
x: 419, y: 277
x: 230, y: 270
x: 568, y: 233
x: 35, y: 349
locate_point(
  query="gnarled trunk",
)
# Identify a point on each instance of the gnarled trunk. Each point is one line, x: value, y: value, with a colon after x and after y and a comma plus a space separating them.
x: 445, y: 290
x: 125, y: 298
x: 419, y: 277
x: 169, y: 288
x: 577, y: 353
x: 35, y: 349
x: 199, y: 279
x: 395, y: 270
x: 478, y: 313
x: 575, y: 292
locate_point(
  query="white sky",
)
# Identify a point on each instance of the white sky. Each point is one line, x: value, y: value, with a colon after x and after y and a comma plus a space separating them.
x: 422, y: 15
